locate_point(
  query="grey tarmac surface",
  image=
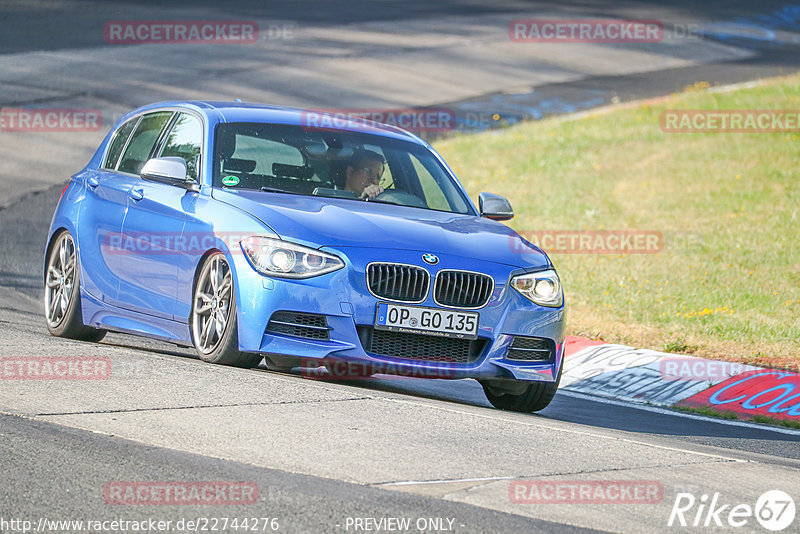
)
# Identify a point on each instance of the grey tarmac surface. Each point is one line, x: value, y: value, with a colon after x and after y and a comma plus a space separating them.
x: 324, y: 451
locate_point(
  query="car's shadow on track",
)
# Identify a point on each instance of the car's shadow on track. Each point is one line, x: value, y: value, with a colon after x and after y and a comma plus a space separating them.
x: 464, y: 392
x: 123, y: 341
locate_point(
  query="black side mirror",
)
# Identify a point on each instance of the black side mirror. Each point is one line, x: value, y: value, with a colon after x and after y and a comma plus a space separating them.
x: 495, y: 207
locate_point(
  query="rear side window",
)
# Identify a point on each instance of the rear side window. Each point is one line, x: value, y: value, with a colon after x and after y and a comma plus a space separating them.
x: 184, y: 141
x: 142, y: 141
x: 118, y: 143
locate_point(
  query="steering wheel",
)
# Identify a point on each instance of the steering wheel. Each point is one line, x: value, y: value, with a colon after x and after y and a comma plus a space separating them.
x: 401, y: 198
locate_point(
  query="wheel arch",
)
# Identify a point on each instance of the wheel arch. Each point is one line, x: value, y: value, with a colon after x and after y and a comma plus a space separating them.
x: 199, y: 267
x: 54, y: 235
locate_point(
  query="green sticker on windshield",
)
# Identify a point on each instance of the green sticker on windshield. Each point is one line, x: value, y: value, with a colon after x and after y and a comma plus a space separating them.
x: 230, y: 181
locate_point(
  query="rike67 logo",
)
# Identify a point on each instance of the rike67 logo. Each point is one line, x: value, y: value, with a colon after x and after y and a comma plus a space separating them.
x: 774, y: 510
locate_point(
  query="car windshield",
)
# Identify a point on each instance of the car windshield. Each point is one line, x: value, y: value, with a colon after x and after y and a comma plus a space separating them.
x: 333, y: 163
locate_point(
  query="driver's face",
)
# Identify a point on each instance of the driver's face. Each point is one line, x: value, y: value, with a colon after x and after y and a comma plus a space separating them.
x: 366, y: 174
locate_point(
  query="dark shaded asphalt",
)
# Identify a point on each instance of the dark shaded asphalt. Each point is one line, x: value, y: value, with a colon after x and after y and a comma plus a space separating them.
x: 59, y: 473
x: 35, y: 25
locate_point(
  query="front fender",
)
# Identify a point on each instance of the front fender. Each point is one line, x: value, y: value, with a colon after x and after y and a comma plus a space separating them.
x: 65, y: 217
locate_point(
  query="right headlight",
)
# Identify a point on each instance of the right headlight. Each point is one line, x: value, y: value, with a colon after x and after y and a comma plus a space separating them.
x: 275, y: 257
x: 542, y: 288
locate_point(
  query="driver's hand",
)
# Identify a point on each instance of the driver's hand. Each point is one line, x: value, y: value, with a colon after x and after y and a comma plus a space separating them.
x: 371, y: 191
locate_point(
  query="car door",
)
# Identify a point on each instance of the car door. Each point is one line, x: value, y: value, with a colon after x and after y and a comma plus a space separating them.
x: 100, y: 220
x: 156, y: 218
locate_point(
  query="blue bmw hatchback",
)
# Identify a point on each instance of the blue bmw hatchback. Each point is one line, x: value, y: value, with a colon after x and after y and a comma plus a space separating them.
x: 251, y: 232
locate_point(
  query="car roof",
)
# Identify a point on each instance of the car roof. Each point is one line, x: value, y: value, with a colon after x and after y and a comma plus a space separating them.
x: 220, y: 111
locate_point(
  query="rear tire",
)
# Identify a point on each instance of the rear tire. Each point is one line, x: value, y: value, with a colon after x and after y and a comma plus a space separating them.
x: 62, y: 293
x: 215, y: 331
x: 519, y: 396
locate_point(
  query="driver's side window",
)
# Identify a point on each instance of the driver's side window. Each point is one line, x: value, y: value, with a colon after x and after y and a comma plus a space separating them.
x: 142, y: 141
x: 185, y: 141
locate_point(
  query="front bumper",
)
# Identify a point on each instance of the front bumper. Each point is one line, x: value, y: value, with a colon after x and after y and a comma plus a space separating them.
x: 349, y: 309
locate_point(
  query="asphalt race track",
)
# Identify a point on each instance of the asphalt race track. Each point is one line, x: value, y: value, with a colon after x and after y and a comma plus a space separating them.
x: 325, y: 453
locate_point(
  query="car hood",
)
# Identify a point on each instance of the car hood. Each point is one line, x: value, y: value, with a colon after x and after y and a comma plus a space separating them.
x: 329, y: 222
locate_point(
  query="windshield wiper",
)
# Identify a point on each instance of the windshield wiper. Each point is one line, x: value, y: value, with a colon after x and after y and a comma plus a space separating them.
x: 276, y: 190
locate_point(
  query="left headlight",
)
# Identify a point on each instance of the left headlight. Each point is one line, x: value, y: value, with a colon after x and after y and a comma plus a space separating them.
x: 543, y: 288
x: 274, y: 257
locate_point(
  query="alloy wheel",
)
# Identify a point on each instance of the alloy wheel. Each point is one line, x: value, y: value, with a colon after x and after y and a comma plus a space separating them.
x: 60, y: 281
x: 212, y: 304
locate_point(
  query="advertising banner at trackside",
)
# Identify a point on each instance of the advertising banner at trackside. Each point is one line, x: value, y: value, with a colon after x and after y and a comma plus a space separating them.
x: 768, y: 392
x: 638, y: 375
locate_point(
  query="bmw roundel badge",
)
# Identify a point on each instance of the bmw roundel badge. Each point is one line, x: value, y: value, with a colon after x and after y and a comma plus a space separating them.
x: 430, y: 258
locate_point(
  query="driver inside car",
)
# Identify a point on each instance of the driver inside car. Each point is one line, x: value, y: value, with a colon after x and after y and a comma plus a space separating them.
x: 363, y: 174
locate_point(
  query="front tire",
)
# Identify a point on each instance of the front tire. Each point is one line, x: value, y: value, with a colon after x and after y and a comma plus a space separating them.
x: 62, y: 293
x: 214, y: 327
x: 519, y: 396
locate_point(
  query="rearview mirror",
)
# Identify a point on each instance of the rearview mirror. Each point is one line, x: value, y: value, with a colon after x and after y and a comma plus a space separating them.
x: 168, y: 170
x: 494, y: 207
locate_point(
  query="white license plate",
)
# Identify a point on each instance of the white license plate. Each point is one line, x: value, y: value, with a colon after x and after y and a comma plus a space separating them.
x: 436, y: 321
